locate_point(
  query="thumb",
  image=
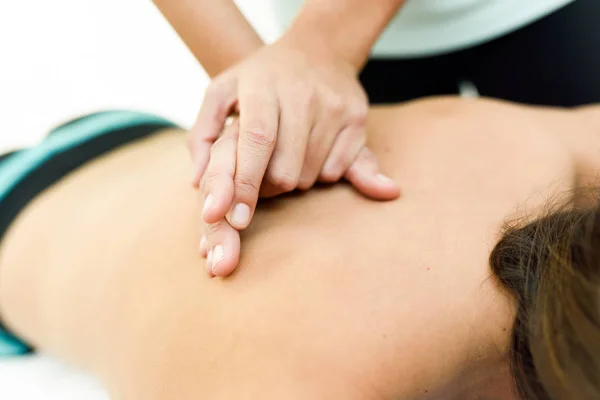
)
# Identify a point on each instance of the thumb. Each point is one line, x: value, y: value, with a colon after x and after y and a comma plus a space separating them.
x: 365, y: 176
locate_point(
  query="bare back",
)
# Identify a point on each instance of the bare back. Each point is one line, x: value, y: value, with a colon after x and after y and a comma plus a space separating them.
x: 336, y: 296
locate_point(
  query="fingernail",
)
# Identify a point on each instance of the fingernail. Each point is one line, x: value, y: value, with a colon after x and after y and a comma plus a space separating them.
x: 203, y: 243
x: 209, y: 260
x: 208, y: 269
x: 384, y: 178
x: 217, y: 257
x: 207, y: 203
x: 240, y: 215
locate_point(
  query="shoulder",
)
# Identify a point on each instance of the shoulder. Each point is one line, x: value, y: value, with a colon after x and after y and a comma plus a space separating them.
x: 518, y: 146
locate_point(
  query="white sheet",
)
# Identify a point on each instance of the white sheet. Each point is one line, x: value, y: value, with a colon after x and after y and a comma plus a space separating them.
x: 40, y: 377
x: 62, y: 58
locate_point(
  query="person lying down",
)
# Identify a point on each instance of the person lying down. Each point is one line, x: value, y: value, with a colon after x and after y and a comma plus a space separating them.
x: 480, y: 282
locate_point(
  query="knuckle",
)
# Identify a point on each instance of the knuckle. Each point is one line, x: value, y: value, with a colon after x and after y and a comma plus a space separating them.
x: 283, y: 180
x: 358, y: 114
x: 211, y: 229
x: 210, y: 176
x: 336, y: 106
x: 306, y: 97
x: 260, y: 138
x: 246, y: 186
x: 361, y: 95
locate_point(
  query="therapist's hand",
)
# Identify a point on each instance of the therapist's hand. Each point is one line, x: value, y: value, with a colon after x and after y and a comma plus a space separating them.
x: 302, y: 120
x: 221, y: 241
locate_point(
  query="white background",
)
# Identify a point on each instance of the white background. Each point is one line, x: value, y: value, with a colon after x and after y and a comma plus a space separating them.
x: 62, y: 58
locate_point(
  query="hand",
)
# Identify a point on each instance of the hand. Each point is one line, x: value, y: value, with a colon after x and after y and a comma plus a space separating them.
x: 302, y: 119
x: 221, y: 242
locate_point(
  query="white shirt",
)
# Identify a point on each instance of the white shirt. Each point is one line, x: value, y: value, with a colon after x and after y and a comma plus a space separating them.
x: 430, y: 27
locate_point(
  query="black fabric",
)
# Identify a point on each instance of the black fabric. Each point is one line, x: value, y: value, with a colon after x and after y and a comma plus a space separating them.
x: 5, y: 156
x: 554, y: 61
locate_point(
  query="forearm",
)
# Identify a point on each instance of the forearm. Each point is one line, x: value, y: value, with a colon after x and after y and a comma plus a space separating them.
x: 349, y: 28
x: 215, y: 31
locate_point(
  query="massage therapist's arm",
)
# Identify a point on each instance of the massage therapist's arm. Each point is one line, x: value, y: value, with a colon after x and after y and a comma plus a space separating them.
x: 215, y: 31
x: 347, y: 27
x: 219, y: 36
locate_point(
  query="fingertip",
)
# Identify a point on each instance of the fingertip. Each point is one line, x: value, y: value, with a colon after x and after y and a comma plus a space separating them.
x: 203, y: 248
x: 384, y: 179
x: 208, y: 217
x: 225, y: 260
x: 224, y: 253
x: 223, y: 269
x: 385, y: 188
x: 389, y: 188
x: 388, y: 193
x: 196, y: 178
x: 208, y: 264
x: 375, y: 186
x: 209, y: 271
x: 215, y: 207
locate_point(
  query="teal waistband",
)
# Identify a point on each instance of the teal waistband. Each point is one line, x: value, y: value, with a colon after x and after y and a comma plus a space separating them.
x: 65, y: 137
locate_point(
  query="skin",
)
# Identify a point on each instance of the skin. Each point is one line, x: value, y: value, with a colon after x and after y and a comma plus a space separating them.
x: 219, y: 38
x: 302, y: 109
x: 394, y: 302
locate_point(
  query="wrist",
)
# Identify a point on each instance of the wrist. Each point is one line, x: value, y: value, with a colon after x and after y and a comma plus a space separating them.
x: 342, y: 29
x: 318, y: 45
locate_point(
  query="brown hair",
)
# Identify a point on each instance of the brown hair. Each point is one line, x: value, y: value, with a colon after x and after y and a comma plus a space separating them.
x: 552, y: 268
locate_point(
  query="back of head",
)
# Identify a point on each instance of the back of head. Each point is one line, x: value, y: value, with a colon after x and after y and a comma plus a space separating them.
x: 552, y: 268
